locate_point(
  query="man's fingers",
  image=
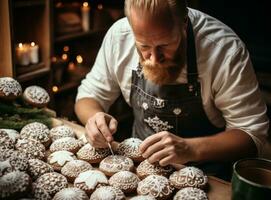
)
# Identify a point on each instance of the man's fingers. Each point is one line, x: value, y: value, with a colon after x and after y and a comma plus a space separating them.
x: 158, y: 156
x: 152, y: 149
x: 166, y: 160
x: 113, y: 124
x: 103, y: 127
x: 149, y: 141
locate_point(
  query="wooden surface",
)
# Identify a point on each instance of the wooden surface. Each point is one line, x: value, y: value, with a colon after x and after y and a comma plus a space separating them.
x: 218, y: 189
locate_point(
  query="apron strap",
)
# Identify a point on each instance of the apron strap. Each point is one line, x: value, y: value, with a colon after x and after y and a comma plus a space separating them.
x: 192, y: 70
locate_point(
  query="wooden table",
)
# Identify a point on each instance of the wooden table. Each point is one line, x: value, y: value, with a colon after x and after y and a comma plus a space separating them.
x: 218, y: 189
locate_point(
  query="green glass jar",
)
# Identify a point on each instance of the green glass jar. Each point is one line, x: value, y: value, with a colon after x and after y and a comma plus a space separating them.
x: 251, y: 179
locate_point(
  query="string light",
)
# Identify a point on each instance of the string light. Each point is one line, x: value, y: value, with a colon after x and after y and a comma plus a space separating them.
x: 66, y: 48
x: 55, y: 89
x: 79, y: 59
x: 100, y: 6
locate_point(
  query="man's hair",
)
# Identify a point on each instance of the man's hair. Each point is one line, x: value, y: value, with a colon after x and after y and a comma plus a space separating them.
x: 177, y: 9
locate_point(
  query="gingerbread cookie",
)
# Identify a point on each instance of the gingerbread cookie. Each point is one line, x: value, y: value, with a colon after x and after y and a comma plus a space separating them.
x: 145, y: 168
x: 115, y: 163
x: 124, y: 180
x: 130, y: 148
x: 59, y: 158
x: 143, y: 197
x: 188, y: 177
x: 73, y: 168
x: 66, y: 144
x: 190, y: 193
x: 61, y: 132
x: 91, y: 154
x: 90, y: 180
x: 71, y: 194
x: 10, y: 89
x: 156, y: 186
x: 38, y: 168
x: 36, y: 96
x: 107, y: 193
x: 13, y: 134
x: 5, y: 140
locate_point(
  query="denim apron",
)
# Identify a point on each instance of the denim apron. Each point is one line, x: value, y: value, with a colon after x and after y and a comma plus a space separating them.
x: 174, y: 108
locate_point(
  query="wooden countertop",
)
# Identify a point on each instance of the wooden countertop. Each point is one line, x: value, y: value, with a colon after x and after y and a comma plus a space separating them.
x: 218, y: 189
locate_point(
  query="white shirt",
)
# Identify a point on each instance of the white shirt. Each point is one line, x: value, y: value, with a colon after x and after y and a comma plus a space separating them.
x: 229, y: 88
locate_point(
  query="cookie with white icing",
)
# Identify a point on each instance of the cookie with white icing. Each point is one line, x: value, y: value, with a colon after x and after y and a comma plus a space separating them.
x: 107, y: 193
x: 39, y: 193
x: 61, y: 132
x: 52, y: 182
x: 190, y: 193
x: 130, y: 148
x: 16, y: 161
x: 32, y: 148
x: 156, y: 186
x: 38, y: 168
x: 143, y: 197
x: 14, y: 185
x: 125, y: 180
x: 13, y: 134
x: 5, y: 140
x: 59, y: 158
x: 90, y: 180
x: 188, y: 177
x: 73, y: 168
x: 36, y: 96
x: 66, y: 144
x: 145, y: 168
x: 91, y: 154
x: 36, y: 131
x: 71, y: 194
x: 10, y: 89
x: 5, y: 153
x: 115, y: 163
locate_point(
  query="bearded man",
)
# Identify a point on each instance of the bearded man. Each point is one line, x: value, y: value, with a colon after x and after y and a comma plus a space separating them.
x: 190, y: 82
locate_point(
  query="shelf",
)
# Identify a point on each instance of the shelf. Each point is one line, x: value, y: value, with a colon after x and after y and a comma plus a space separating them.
x: 29, y: 68
x: 78, y: 35
x: 33, y: 74
x: 66, y: 87
x: 29, y: 3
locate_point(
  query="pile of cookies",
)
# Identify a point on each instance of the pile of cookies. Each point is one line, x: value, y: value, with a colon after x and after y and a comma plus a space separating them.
x: 43, y: 163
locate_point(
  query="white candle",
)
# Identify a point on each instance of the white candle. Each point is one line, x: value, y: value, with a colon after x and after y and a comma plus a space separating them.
x: 34, y: 53
x: 22, y: 54
x: 85, y: 16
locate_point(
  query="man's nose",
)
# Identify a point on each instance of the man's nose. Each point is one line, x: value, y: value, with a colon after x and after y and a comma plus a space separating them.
x: 156, y: 56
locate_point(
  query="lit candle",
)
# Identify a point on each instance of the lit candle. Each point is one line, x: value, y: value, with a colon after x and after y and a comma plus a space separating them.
x: 34, y: 53
x: 85, y: 16
x: 22, y: 54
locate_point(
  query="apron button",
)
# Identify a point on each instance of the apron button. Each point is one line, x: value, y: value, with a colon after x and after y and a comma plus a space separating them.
x: 177, y: 111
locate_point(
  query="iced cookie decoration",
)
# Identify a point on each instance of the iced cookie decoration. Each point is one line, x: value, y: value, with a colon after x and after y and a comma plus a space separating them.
x: 90, y: 180
x: 36, y: 96
x: 5, y: 140
x: 91, y: 154
x: 188, y: 177
x: 32, y: 148
x: 130, y: 148
x: 10, y: 89
x: 14, y: 185
x: 156, y: 186
x: 13, y: 134
x: 145, y: 168
x: 124, y: 180
x: 61, y: 132
x: 38, y: 168
x: 66, y: 144
x: 38, y: 192
x: 36, y: 131
x: 71, y: 194
x: 59, y: 158
x: 73, y: 168
x: 107, y: 193
x: 115, y: 163
x: 190, y: 193
x: 52, y: 182
x: 5, y: 153
x: 143, y: 197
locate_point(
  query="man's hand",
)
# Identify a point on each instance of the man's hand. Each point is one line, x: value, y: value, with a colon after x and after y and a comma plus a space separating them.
x: 167, y: 148
x: 99, y: 127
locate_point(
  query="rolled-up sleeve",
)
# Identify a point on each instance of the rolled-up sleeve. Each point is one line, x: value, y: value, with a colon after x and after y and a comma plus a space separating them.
x: 238, y: 97
x: 100, y: 83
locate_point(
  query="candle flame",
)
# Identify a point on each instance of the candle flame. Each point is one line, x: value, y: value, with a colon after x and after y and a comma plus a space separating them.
x: 55, y: 89
x: 32, y: 44
x: 85, y: 4
x: 79, y: 59
x: 20, y: 45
